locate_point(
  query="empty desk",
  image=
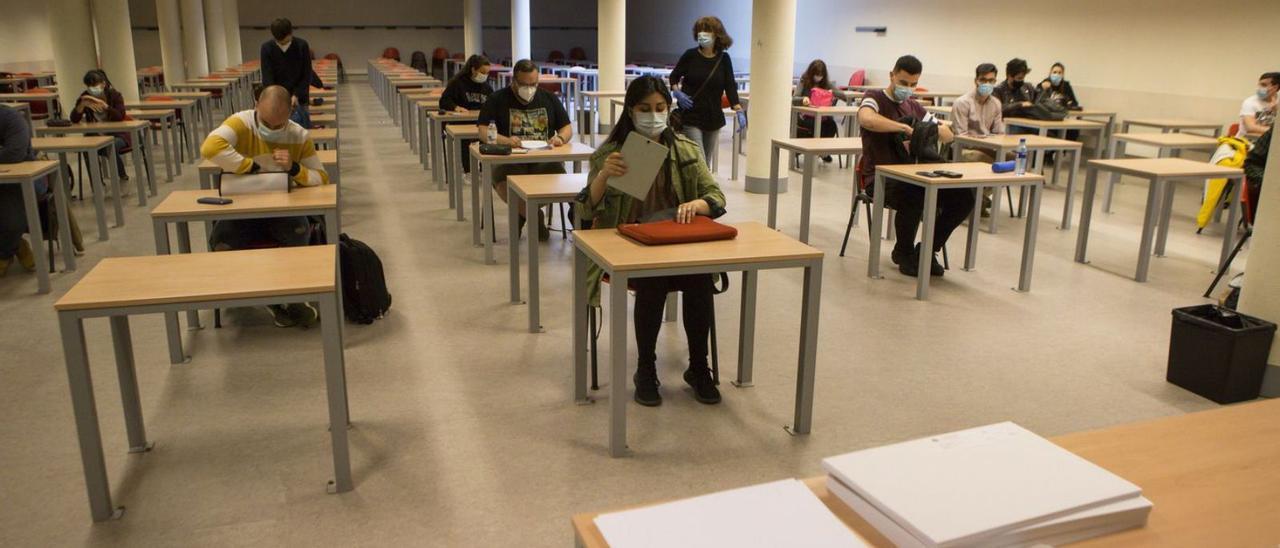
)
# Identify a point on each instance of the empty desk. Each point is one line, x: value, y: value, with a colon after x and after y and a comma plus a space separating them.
x: 455, y: 134
x: 535, y: 191
x: 143, y: 161
x: 165, y: 121
x: 810, y: 148
x: 89, y: 146
x: 25, y: 174
x: 1166, y: 144
x: 1037, y: 145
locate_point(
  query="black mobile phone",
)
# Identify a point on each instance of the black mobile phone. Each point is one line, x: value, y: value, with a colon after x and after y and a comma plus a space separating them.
x: 949, y: 174
x: 214, y: 200
x: 929, y: 174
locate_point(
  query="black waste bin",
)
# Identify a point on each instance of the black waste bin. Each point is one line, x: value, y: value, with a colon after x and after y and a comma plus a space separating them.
x: 1218, y: 353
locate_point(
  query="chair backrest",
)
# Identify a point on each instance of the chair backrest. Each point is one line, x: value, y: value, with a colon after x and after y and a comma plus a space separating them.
x: 440, y: 54
x: 858, y: 78
x: 1233, y: 129
x: 391, y: 53
x: 555, y: 55
x: 578, y: 54
x: 419, y: 61
x: 459, y: 56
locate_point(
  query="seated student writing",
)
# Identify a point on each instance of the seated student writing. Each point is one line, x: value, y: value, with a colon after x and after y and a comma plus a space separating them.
x: 881, y: 116
x: 15, y: 147
x: 264, y: 139
x: 525, y: 112
x: 978, y: 114
x: 468, y: 91
x: 1258, y: 111
x: 815, y: 83
x: 101, y: 102
x: 682, y: 189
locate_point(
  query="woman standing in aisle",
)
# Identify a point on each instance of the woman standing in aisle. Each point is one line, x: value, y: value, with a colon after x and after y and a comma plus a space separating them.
x: 704, y: 74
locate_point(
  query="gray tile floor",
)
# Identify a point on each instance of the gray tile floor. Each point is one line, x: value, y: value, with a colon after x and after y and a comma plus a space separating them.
x: 464, y: 429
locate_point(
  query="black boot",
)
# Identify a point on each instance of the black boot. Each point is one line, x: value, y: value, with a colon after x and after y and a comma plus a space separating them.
x: 646, y: 379
x: 704, y: 387
x: 935, y: 267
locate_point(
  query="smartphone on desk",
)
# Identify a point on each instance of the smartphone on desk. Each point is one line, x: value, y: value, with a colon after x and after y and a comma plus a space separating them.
x: 213, y: 200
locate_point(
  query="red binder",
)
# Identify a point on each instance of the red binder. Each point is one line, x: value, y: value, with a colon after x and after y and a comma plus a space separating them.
x: 702, y: 229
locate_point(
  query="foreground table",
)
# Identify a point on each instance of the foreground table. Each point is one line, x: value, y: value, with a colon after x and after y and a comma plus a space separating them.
x: 534, y: 191
x: 119, y: 287
x: 25, y: 175
x: 811, y: 148
x: 756, y: 248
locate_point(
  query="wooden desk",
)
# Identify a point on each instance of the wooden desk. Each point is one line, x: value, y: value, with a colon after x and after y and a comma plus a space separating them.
x: 454, y: 135
x: 1043, y: 127
x: 1172, y: 125
x: 1037, y: 146
x: 222, y: 88
x: 204, y: 107
x: 119, y: 287
x: 1160, y: 173
x: 143, y: 159
x: 589, y: 116
x: 1209, y: 475
x: 50, y: 100
x: 416, y: 112
x: 326, y: 137
x: 976, y: 175
x: 937, y: 97
x: 166, y: 120
x: 535, y: 191
x: 328, y: 159
x: 569, y: 88
x: 434, y: 138
x: 324, y: 120
x: 756, y: 248
x: 25, y: 109
x: 90, y: 146
x: 326, y: 108
x: 1167, y: 144
x: 570, y: 152
x: 25, y: 174
x: 943, y: 112
x: 811, y: 149
x: 405, y: 117
x: 186, y: 109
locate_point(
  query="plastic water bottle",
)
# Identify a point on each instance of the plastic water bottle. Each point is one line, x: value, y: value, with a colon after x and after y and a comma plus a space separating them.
x: 493, y: 133
x: 1020, y: 168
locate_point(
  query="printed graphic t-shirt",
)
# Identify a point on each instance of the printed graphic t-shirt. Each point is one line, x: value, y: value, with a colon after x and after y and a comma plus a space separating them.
x: 538, y: 120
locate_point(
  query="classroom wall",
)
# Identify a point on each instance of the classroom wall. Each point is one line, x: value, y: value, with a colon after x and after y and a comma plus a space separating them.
x: 24, y: 38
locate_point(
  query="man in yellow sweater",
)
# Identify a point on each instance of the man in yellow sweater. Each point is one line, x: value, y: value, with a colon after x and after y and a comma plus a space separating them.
x: 264, y: 139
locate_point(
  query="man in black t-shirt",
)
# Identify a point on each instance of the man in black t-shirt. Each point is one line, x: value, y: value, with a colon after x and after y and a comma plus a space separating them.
x: 525, y: 112
x: 882, y: 129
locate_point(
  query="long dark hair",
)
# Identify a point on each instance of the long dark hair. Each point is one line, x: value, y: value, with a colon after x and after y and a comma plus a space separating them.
x: 474, y: 62
x: 96, y: 76
x: 815, y: 68
x: 639, y: 90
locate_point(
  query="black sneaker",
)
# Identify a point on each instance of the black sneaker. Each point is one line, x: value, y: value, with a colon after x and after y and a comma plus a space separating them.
x: 899, y: 256
x: 304, y: 315
x: 280, y: 314
x: 827, y: 159
x: 704, y: 388
x: 646, y: 379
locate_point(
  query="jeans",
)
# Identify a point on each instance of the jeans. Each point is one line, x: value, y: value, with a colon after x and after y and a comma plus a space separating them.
x: 301, y: 115
x: 708, y: 139
x: 954, y: 206
x: 13, y: 216
x: 651, y: 298
x: 257, y: 233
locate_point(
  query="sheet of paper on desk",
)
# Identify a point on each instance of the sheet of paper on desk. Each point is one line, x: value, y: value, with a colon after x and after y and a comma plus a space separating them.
x: 780, y: 513
x: 230, y: 184
x: 644, y: 158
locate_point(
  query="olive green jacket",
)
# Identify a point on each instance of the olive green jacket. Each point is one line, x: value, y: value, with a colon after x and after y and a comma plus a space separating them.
x: 690, y: 178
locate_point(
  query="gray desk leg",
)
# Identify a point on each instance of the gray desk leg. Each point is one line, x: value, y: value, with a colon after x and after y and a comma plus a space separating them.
x: 1117, y: 151
x: 172, y: 333
x: 167, y: 148
x: 455, y: 163
x: 492, y: 231
x: 618, y: 364
x: 476, y: 214
x: 122, y: 340
x: 86, y: 416
x: 1029, y: 239
x: 1067, y: 202
x: 184, y: 247
x: 773, y: 187
x: 1154, y: 189
x: 336, y: 386
x: 43, y: 259
x: 149, y: 157
x: 747, y: 329
x: 513, y: 249
x: 535, y: 298
x: 808, y: 361
x: 115, y: 185
x: 1086, y: 213
x: 877, y: 220
x: 1166, y: 211
x: 995, y: 196
x: 580, y: 327
x: 971, y: 237
x: 926, y: 242
x: 1233, y: 216
x: 806, y: 190
x: 64, y: 227
x: 99, y: 191
x: 437, y: 151
x: 456, y: 191
x: 137, y: 170
x: 423, y: 147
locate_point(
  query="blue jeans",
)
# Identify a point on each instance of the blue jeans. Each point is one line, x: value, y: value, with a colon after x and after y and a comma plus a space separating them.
x: 300, y: 115
x: 707, y: 139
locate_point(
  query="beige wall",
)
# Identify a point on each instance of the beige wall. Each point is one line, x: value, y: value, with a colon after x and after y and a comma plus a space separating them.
x: 24, y: 37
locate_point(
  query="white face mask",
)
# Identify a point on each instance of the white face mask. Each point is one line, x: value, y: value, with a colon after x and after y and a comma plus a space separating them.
x: 97, y: 91
x: 650, y: 124
x: 526, y: 92
x: 818, y: 78
x: 705, y: 38
x: 268, y: 134
x: 479, y: 78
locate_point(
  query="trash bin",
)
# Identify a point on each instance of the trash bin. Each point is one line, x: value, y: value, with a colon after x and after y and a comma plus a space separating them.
x: 1218, y: 353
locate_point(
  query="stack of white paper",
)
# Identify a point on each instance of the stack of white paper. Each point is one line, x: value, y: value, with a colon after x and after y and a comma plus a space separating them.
x: 781, y: 513
x: 997, y: 485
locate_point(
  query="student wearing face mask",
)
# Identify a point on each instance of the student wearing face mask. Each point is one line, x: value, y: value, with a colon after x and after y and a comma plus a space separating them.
x: 705, y: 73
x: 286, y: 62
x: 683, y: 188
x: 978, y: 114
x: 1058, y: 88
x: 1015, y: 94
x: 467, y: 91
x: 815, y: 77
x: 100, y: 102
x: 881, y: 116
x: 525, y: 112
x: 1258, y: 111
x: 260, y: 140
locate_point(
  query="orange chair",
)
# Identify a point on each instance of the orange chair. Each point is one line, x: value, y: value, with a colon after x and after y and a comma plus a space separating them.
x: 39, y: 110
x: 858, y: 78
x: 578, y: 54
x: 555, y: 56
x: 342, y: 73
x: 391, y: 53
x: 437, y: 62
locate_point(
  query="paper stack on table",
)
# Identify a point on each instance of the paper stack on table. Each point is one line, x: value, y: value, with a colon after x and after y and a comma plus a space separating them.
x: 769, y: 515
x: 996, y: 485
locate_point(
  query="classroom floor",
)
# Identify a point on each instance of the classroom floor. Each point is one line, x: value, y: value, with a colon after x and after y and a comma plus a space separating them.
x: 465, y: 432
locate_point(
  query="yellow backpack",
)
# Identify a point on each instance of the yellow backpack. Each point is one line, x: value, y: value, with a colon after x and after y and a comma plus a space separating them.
x: 1213, y: 190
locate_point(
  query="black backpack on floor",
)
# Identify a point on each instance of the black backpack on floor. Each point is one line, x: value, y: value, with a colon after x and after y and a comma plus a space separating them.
x: 364, y: 289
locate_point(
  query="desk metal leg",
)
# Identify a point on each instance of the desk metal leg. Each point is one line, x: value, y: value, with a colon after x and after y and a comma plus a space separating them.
x: 1233, y: 216
x: 806, y: 190
x: 491, y: 220
x: 86, y: 416
x: 971, y: 237
x: 456, y: 191
x: 64, y: 228
x: 122, y: 340
x: 1086, y: 213
x: 99, y: 190
x: 618, y: 364
x: 535, y: 297
x: 808, y: 361
x: 137, y: 170
x: 773, y: 187
x: 925, y: 264
x: 1071, y: 190
x: 580, y: 327
x: 455, y: 163
x: 43, y: 259
x: 168, y: 151
x: 184, y: 247
x: 476, y: 214
x: 436, y: 151
x: 1154, y: 190
x: 1029, y: 239
x: 172, y: 333
x: 423, y: 144
x: 877, y: 218
x: 148, y: 155
x: 1117, y: 151
x: 747, y: 329
x: 336, y: 386
x: 513, y: 249
x: 116, y: 199
x: 1166, y: 211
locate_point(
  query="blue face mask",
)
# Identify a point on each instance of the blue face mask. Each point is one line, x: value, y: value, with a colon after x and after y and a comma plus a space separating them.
x: 1055, y: 79
x: 1263, y: 92
x: 268, y: 134
x: 985, y: 89
x: 901, y: 94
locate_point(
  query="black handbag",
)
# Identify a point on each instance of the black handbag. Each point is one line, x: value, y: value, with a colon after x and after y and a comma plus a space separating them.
x: 495, y: 150
x: 1045, y: 108
x: 676, y: 118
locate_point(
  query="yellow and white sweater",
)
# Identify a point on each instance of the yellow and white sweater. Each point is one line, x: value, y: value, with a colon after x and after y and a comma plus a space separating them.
x: 236, y: 142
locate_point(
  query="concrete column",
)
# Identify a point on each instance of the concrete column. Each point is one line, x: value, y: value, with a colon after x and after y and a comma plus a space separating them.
x: 74, y: 52
x: 231, y: 29
x: 171, y: 54
x: 520, y: 33
x: 216, y: 35
x: 1260, y: 296
x: 473, y: 43
x: 115, y: 44
x: 773, y: 32
x: 611, y: 32
x: 196, y: 52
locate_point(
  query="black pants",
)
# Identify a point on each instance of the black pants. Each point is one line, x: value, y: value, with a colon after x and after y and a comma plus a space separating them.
x: 804, y: 127
x: 954, y: 206
x: 651, y: 298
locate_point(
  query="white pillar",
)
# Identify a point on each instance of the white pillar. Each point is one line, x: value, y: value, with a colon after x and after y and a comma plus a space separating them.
x: 171, y: 54
x: 196, y: 53
x: 520, y: 32
x: 611, y: 32
x: 115, y: 45
x: 472, y: 43
x: 216, y: 34
x: 74, y: 52
x: 773, y: 30
x: 1260, y: 296
x: 231, y: 29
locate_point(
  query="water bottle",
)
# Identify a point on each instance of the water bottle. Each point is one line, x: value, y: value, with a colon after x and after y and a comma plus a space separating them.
x: 1020, y: 168
x: 493, y: 134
